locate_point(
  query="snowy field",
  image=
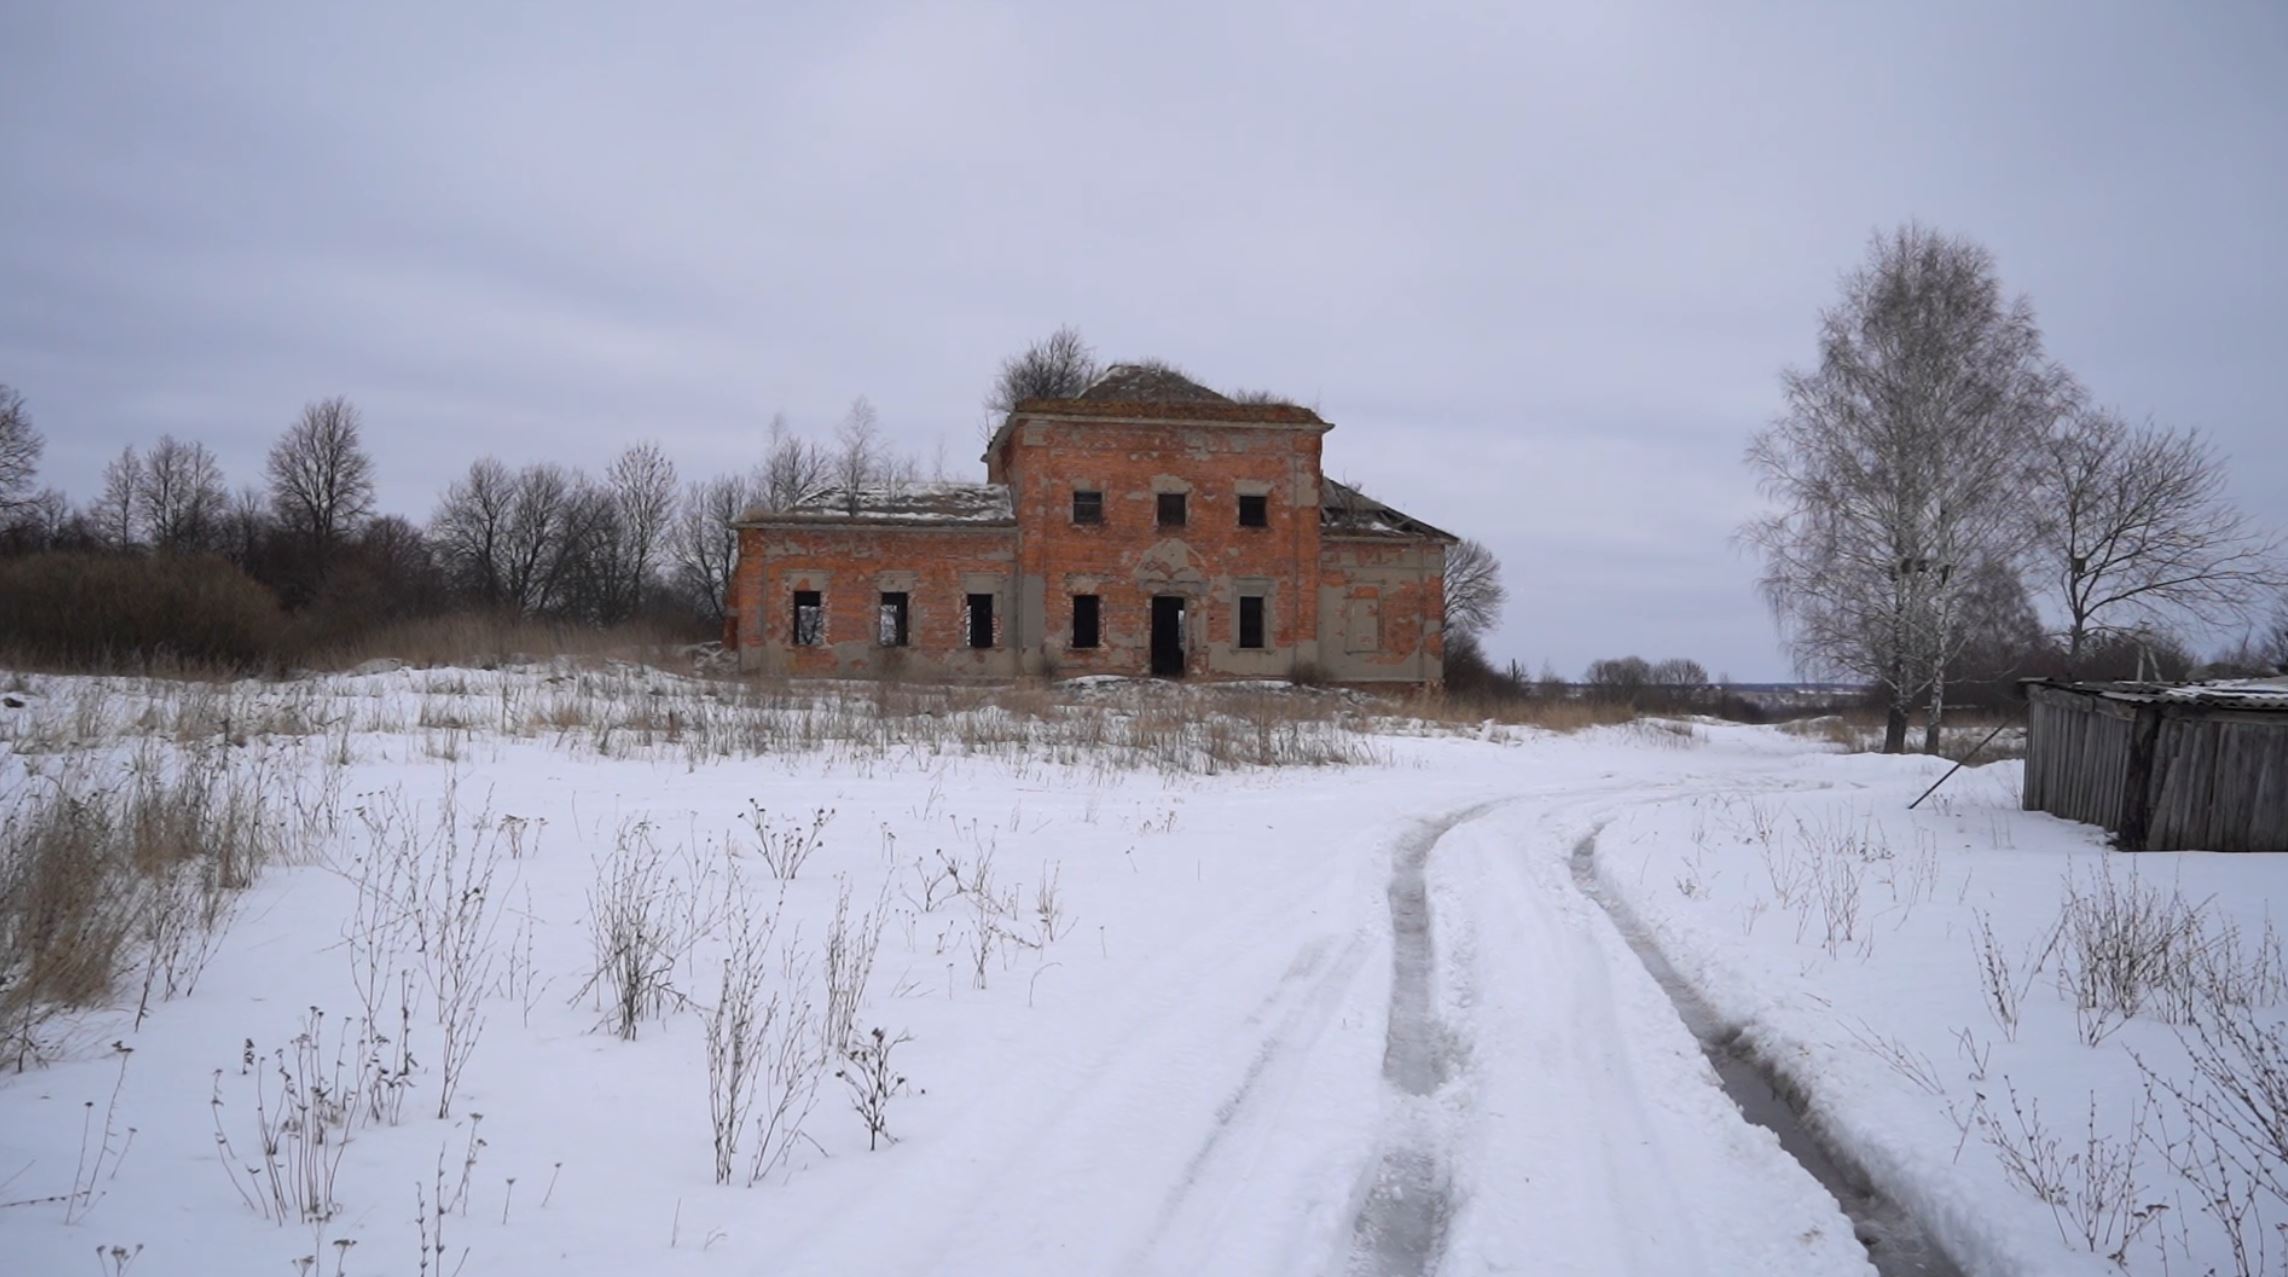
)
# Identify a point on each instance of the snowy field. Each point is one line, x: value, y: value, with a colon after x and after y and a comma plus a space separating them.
x: 440, y: 971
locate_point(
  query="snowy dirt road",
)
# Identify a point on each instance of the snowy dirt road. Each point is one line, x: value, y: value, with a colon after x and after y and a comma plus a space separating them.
x: 1354, y: 1019
x: 1438, y: 1056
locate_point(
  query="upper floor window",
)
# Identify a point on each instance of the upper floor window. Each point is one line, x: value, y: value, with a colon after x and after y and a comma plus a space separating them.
x: 1254, y: 510
x: 1171, y: 509
x: 1088, y: 507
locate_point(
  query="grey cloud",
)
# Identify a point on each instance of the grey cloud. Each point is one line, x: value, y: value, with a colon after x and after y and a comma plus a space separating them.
x: 1542, y: 265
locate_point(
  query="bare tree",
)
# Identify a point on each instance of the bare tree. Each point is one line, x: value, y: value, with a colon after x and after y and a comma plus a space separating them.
x: 1680, y: 672
x: 181, y: 499
x: 243, y: 524
x: 20, y: 446
x: 857, y: 450
x: 470, y: 526
x: 2137, y: 529
x: 402, y: 563
x: 2274, y: 645
x: 1618, y: 678
x: 42, y: 521
x: 115, y: 513
x: 1474, y: 592
x: 552, y: 517
x: 794, y: 469
x: 321, y: 479
x: 703, y: 547
x: 641, y: 485
x: 1900, y: 467
x: 1058, y: 366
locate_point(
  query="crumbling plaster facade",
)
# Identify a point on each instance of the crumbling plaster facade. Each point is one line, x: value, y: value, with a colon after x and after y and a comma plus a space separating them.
x: 1342, y: 588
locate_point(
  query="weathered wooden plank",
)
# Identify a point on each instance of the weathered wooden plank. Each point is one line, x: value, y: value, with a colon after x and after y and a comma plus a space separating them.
x: 2192, y: 776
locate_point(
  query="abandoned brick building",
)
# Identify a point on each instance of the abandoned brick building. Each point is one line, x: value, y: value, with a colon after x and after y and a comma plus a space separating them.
x: 1148, y: 526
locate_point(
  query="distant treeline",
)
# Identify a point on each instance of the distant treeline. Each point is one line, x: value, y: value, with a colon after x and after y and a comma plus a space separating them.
x: 168, y: 562
x: 1985, y: 675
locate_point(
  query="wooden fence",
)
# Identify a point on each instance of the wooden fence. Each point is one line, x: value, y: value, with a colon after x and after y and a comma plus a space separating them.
x: 2163, y: 771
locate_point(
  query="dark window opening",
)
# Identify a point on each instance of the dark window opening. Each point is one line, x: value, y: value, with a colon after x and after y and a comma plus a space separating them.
x: 1084, y: 628
x: 809, y: 619
x: 1254, y: 511
x: 890, y: 626
x: 1171, y: 509
x: 981, y: 620
x: 1088, y: 507
x: 1250, y: 621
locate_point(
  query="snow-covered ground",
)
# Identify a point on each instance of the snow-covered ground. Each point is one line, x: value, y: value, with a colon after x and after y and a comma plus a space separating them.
x: 1177, y: 983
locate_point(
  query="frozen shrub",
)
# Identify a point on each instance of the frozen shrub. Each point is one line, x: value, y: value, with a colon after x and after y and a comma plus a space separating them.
x: 850, y: 947
x: 2126, y: 947
x: 872, y: 1080
x: 786, y: 846
x: 98, y: 609
x: 636, y: 912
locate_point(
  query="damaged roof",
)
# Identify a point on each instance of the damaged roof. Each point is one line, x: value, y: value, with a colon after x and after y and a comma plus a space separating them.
x: 909, y: 504
x: 1156, y: 392
x: 1346, y: 511
x: 1149, y: 383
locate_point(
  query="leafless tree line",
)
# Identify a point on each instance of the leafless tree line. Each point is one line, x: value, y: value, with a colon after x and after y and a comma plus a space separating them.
x: 538, y: 539
x: 1936, y: 460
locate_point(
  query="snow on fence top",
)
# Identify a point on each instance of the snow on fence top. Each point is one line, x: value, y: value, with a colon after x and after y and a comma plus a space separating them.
x: 2222, y: 693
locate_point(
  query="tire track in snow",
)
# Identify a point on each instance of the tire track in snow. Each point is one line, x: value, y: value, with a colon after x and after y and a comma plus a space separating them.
x: 1192, y: 1209
x: 1407, y: 1200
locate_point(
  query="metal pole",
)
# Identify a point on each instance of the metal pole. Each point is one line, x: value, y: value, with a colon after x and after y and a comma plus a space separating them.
x: 1957, y: 767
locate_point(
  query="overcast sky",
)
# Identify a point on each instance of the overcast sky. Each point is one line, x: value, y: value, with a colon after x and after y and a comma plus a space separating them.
x: 1541, y: 265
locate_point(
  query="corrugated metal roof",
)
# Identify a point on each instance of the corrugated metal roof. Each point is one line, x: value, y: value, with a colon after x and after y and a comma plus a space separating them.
x: 2262, y: 694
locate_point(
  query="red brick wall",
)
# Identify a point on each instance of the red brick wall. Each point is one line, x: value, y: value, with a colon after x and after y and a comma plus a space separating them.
x: 850, y: 567
x: 1312, y: 589
x: 1129, y: 558
x: 1402, y: 583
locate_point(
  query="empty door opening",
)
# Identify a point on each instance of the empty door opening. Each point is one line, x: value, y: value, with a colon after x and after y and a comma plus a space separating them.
x: 1168, y: 635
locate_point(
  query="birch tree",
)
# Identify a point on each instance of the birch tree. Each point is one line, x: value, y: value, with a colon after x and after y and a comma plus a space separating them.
x: 1899, y: 468
x: 20, y: 447
x: 794, y: 468
x: 2137, y: 531
x: 857, y: 459
x: 114, y: 513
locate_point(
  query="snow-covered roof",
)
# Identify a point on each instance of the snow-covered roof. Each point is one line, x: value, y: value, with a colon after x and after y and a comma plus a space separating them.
x: 2268, y: 694
x: 1346, y: 511
x: 918, y: 504
x: 2241, y: 693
